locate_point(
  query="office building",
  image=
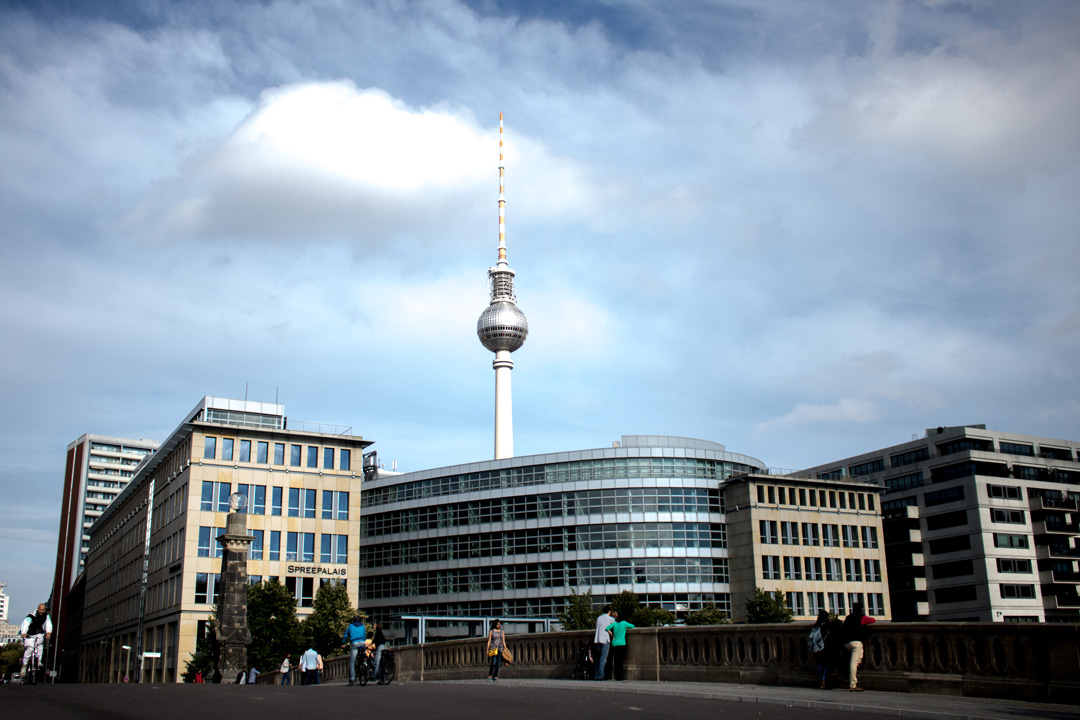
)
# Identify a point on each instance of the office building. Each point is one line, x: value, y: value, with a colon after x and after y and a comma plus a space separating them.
x: 152, y: 567
x: 979, y: 525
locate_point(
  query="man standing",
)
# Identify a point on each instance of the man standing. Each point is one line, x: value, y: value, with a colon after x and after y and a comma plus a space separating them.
x: 35, y: 630
x: 355, y: 635
x: 853, y: 633
x: 602, y: 638
x: 309, y: 666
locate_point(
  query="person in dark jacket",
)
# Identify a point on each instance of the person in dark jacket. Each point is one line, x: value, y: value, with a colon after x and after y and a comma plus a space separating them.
x: 854, y: 634
x: 380, y: 644
x: 819, y: 644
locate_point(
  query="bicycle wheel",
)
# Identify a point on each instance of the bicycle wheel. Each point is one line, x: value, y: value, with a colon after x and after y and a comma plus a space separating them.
x: 388, y: 672
x: 362, y: 675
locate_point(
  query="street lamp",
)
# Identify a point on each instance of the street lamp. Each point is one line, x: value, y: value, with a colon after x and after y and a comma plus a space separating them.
x: 127, y: 661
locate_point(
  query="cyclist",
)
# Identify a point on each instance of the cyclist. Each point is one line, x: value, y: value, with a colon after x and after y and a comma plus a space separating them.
x: 355, y: 635
x: 35, y: 630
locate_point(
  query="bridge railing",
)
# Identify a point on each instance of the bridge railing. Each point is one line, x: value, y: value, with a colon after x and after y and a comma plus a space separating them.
x: 1029, y: 661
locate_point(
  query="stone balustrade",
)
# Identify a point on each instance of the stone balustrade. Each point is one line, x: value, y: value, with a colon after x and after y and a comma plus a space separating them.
x: 1022, y: 661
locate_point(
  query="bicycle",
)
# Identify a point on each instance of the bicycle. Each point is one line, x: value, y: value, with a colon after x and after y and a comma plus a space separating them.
x: 364, y: 668
x: 34, y: 667
x: 387, y: 668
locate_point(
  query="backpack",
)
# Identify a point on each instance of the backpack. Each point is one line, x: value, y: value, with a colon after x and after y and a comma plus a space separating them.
x: 815, y: 642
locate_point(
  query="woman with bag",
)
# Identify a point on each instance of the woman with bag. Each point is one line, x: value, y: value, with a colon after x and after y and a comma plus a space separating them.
x: 496, y: 646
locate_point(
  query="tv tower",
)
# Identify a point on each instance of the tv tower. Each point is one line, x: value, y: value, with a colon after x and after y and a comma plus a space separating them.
x: 502, y: 327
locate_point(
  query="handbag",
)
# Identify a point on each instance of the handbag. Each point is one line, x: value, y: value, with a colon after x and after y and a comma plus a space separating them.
x: 508, y: 657
x: 493, y: 652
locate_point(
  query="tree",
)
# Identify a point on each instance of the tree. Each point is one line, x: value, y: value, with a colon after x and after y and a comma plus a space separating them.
x: 325, y: 626
x: 271, y: 617
x: 766, y: 607
x: 206, y: 651
x: 707, y: 615
x: 579, y: 613
x: 625, y: 604
x: 11, y: 658
x: 651, y: 617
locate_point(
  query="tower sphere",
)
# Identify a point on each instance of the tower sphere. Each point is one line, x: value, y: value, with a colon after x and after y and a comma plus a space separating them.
x: 502, y: 326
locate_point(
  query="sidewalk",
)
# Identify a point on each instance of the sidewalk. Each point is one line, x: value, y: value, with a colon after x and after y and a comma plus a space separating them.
x: 931, y: 707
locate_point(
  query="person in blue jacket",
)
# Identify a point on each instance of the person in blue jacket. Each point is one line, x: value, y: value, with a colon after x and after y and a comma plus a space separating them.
x: 355, y: 635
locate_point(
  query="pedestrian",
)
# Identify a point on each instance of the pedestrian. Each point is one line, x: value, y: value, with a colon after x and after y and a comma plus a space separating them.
x: 818, y: 644
x: 309, y: 664
x: 495, y: 645
x: 198, y: 677
x: 355, y: 639
x: 318, y: 668
x: 216, y: 677
x: 854, y: 634
x: 602, y: 638
x: 241, y: 677
x: 252, y: 674
x: 618, y: 645
x: 380, y: 645
x: 286, y: 670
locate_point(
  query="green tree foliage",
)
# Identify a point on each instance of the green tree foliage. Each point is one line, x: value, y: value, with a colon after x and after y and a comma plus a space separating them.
x: 579, y: 613
x: 11, y: 658
x: 275, y: 631
x: 206, y: 652
x: 707, y: 615
x: 651, y: 617
x: 766, y: 607
x: 324, y: 627
x: 625, y: 604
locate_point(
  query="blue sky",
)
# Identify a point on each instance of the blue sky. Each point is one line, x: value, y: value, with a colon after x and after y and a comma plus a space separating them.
x: 801, y: 229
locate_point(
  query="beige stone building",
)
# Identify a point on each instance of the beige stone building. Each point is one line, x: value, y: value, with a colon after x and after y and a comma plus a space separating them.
x: 817, y: 541
x: 151, y: 572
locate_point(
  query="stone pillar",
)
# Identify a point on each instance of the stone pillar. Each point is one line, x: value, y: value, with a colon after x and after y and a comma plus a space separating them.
x: 232, y: 630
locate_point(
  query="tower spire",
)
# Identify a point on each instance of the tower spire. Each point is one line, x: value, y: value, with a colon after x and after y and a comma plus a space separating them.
x: 502, y: 327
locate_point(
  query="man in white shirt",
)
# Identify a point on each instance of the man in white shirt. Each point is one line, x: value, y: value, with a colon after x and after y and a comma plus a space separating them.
x: 309, y: 666
x: 36, y: 628
x: 602, y: 638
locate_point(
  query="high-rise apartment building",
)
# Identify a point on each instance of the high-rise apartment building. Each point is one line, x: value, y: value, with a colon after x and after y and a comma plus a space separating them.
x: 979, y: 525
x: 154, y: 560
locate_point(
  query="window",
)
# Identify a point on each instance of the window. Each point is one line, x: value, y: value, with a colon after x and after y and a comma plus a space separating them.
x: 832, y: 570
x: 837, y: 603
x: 813, y: 568
x: 344, y: 459
x: 851, y: 536
x: 810, y: 535
x: 226, y: 448
x: 853, y: 570
x: 816, y: 602
x: 781, y: 494
x: 303, y: 589
x: 292, y: 544
x: 275, y: 501
x: 1004, y: 491
x: 256, y: 551
x: 761, y: 494
x: 770, y: 567
x: 1015, y: 517
x: 869, y: 537
x: 308, y: 508
x: 904, y: 482
x: 897, y: 508
x: 245, y: 451
x: 910, y: 458
x: 855, y: 598
x: 256, y: 498
x: 328, y: 458
x: 341, y: 549
x: 312, y: 456
x: 872, y: 569
x: 830, y: 535
x: 215, y: 496
x: 205, y: 541
x: 210, y: 448
x: 768, y: 532
x: 843, y: 501
x: 792, y: 568
x: 294, y: 455
x: 333, y: 549
x: 947, y: 520
x: 772, y: 495
x: 961, y: 593
x: 307, y: 547
x: 275, y: 545
x: 789, y: 533
x: 335, y: 505
x: 875, y: 604
x: 1003, y: 540
x: 1013, y: 565
x: 867, y: 468
x: 207, y: 587
x: 940, y: 497
x: 1017, y: 591
x: 955, y: 543
x: 279, y: 453
x: 795, y: 602
x: 262, y: 450
x: 1016, y: 449
x: 294, y: 502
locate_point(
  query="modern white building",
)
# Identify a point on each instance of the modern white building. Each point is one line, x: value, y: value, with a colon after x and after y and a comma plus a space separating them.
x: 979, y: 525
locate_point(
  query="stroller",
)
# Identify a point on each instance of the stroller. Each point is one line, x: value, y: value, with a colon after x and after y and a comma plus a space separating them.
x: 583, y: 668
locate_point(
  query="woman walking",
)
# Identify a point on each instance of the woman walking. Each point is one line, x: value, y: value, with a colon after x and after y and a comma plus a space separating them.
x: 495, y: 645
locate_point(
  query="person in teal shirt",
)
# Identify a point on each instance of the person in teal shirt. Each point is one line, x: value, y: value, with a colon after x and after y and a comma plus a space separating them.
x: 618, y: 645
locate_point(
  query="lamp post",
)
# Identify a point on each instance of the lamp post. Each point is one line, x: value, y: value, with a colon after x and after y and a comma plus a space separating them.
x: 127, y: 661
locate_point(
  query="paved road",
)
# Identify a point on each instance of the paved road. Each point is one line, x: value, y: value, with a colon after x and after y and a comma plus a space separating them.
x: 508, y: 699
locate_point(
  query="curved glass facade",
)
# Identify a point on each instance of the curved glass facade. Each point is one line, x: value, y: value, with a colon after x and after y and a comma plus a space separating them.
x: 513, y: 537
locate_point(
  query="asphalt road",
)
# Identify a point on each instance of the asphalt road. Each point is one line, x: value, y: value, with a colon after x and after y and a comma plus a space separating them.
x: 477, y: 700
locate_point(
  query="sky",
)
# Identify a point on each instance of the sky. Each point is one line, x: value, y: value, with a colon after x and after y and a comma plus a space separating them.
x: 805, y: 230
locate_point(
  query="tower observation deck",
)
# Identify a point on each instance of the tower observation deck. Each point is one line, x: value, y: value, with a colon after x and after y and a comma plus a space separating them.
x: 502, y: 327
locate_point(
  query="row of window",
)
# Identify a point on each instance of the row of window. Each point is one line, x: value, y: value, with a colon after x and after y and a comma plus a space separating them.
x: 825, y: 535
x: 567, y: 504
x: 811, y: 497
x: 839, y: 603
x: 969, y: 593
x: 335, y: 504
x: 577, y: 471
x: 774, y: 567
x: 299, y: 546
x: 297, y: 456
x: 546, y: 540
x: 208, y: 588
x: 534, y: 576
